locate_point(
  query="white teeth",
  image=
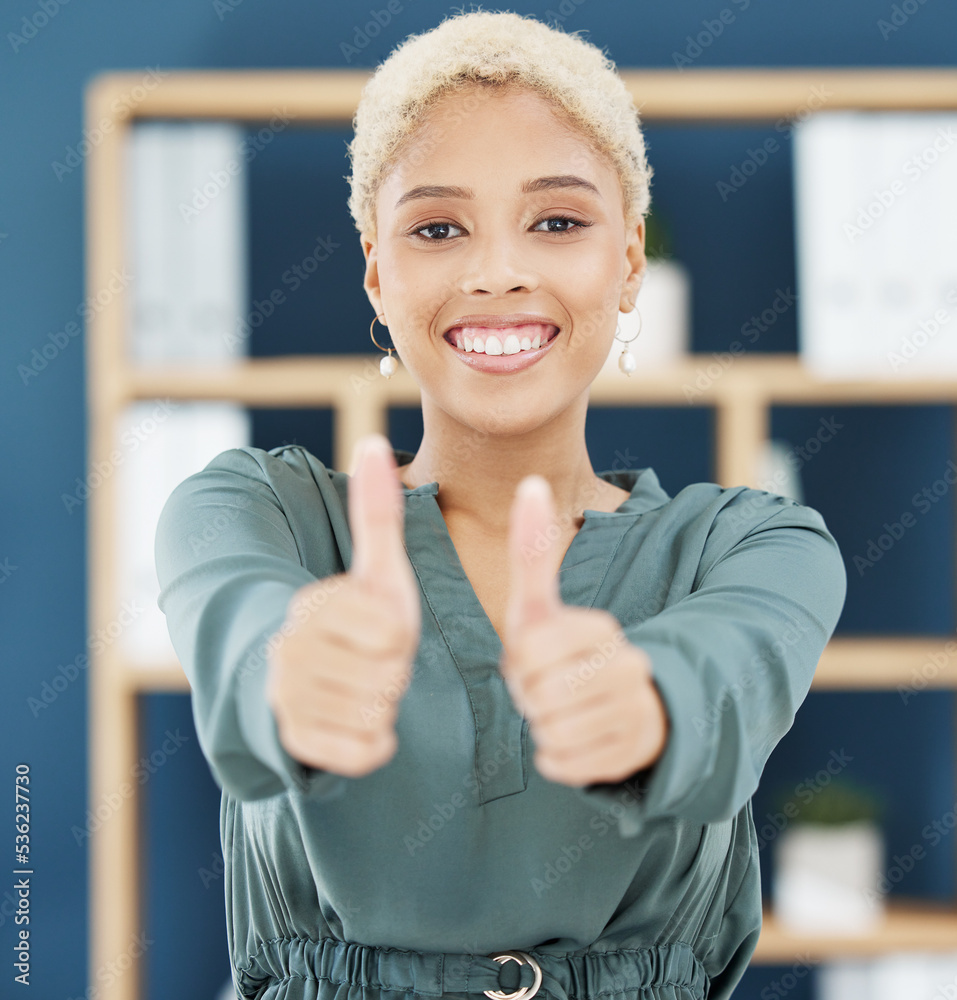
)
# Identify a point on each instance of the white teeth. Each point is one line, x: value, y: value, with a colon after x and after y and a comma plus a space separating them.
x: 492, y: 344
x: 512, y: 344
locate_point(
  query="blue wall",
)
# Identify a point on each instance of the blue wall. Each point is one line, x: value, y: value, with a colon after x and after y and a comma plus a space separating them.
x: 740, y: 251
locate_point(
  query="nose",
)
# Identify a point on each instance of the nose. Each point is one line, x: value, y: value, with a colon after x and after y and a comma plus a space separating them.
x: 496, y: 265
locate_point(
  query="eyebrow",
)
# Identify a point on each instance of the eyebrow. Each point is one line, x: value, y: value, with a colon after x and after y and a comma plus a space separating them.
x: 539, y: 184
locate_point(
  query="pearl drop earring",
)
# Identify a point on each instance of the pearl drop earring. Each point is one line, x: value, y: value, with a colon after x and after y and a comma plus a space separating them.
x: 626, y: 362
x: 388, y: 364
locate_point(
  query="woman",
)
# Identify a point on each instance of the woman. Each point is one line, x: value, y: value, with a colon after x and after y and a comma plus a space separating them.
x: 483, y: 719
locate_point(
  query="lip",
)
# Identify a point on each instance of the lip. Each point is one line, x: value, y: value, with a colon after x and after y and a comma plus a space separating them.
x: 502, y: 363
x: 500, y: 320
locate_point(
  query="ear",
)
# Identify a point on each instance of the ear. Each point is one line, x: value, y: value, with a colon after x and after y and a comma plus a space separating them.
x: 633, y: 270
x: 371, y: 280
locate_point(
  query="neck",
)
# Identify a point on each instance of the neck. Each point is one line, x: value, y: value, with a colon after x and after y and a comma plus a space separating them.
x: 478, y: 468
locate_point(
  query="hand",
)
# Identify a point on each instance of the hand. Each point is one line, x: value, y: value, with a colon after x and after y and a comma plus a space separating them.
x: 593, y: 709
x: 336, y: 680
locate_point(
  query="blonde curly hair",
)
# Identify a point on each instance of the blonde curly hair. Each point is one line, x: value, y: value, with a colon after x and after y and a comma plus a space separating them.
x: 495, y: 48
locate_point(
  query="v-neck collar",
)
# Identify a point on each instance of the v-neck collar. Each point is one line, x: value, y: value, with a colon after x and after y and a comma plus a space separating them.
x: 643, y: 485
x: 581, y: 572
x: 467, y: 630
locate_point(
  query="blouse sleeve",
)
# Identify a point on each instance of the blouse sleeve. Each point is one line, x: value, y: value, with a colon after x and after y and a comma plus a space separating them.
x: 733, y: 661
x: 228, y: 565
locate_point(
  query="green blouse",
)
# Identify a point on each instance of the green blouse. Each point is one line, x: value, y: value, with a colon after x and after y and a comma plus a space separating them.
x: 407, y: 879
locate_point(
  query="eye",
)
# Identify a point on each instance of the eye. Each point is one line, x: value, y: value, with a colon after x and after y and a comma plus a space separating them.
x: 569, y: 223
x: 440, y: 231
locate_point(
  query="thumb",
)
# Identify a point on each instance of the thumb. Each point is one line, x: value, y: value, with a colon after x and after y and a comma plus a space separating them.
x: 534, y: 593
x: 376, y: 515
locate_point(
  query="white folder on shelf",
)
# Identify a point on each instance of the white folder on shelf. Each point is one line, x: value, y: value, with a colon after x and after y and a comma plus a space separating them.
x: 187, y: 252
x: 161, y: 445
x: 875, y: 221
x: 894, y: 976
x: 186, y: 242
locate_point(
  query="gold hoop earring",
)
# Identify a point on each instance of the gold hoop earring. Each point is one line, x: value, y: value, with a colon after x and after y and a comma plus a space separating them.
x: 388, y: 365
x: 626, y: 362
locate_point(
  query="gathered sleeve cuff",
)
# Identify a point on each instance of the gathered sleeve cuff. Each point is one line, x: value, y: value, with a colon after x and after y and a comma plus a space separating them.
x: 732, y: 662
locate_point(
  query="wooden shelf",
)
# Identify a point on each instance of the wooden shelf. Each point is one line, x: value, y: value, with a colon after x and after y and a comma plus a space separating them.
x: 741, y: 387
x: 322, y: 380
x: 907, y: 926
x: 154, y: 678
x: 695, y: 94
x: 848, y: 664
x: 886, y: 663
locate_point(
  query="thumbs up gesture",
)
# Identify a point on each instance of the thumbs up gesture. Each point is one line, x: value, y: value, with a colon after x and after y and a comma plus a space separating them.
x: 336, y: 680
x: 593, y: 709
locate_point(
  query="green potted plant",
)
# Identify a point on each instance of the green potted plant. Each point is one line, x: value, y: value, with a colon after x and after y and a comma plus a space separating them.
x: 828, y: 860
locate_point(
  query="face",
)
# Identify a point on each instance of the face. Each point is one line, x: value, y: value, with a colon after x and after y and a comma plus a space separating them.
x: 498, y: 210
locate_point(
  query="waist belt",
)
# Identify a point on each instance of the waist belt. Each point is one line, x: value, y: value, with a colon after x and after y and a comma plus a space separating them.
x: 503, y: 975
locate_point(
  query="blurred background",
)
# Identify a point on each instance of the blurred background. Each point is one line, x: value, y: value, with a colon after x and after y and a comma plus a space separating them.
x: 731, y: 211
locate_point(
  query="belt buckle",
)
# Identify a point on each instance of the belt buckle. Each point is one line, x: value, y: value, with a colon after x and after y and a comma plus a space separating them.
x: 524, y: 992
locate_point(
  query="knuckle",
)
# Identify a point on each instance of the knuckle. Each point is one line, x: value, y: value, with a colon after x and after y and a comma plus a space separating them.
x: 312, y: 598
x: 370, y: 756
x: 395, y: 632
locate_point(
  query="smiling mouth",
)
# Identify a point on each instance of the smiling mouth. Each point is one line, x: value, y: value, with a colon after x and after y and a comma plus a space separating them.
x: 517, y: 339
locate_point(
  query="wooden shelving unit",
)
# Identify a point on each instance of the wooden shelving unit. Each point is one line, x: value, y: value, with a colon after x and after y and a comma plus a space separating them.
x: 742, y: 396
